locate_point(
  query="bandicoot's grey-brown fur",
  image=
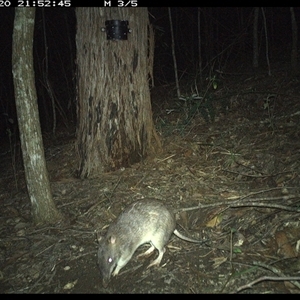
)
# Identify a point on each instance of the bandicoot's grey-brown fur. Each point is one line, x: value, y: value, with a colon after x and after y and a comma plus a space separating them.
x: 143, y: 221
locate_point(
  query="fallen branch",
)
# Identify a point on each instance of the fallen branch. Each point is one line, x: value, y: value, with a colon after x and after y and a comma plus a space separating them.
x: 268, y: 278
x: 249, y: 203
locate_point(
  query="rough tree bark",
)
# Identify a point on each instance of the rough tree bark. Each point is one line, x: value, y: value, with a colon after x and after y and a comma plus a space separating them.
x: 294, y: 51
x: 114, y: 126
x: 43, y: 207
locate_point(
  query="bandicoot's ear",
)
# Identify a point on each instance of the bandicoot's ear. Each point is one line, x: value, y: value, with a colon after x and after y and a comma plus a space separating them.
x: 112, y: 240
x: 98, y: 236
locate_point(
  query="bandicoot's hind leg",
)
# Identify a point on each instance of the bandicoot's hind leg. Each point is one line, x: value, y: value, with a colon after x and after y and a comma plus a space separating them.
x: 147, y: 253
x: 159, y: 243
x: 157, y: 261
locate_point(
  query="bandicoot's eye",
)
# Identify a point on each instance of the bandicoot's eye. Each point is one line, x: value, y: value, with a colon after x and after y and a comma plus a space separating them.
x: 110, y: 260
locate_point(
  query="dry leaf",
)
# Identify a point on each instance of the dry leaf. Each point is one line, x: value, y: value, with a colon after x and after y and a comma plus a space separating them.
x: 218, y: 261
x: 214, y: 221
x: 284, y: 246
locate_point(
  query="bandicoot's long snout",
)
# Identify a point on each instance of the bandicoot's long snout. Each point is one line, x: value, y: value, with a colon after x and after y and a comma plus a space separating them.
x: 105, y: 282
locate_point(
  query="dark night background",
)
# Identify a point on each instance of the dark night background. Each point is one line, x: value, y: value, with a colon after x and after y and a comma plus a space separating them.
x: 229, y: 49
x: 233, y: 148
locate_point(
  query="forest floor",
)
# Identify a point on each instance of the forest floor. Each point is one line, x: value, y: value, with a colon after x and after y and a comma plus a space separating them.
x: 235, y: 153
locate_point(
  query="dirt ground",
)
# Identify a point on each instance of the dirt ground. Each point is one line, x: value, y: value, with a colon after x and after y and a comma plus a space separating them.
x: 240, y: 163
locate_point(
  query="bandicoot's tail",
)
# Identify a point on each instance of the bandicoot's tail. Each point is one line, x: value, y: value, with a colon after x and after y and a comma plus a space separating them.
x: 185, y: 238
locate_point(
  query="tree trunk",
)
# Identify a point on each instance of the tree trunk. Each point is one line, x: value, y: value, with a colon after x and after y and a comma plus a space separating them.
x: 294, y: 42
x: 173, y: 54
x: 43, y: 207
x: 114, y: 127
x: 267, y: 39
x: 209, y: 34
x: 255, y: 38
x: 199, y: 45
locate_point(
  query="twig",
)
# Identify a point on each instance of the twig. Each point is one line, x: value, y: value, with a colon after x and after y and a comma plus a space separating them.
x: 142, y: 179
x: 283, y: 198
x: 252, y: 202
x: 161, y: 160
x: 82, y: 255
x: 254, y: 176
x: 45, y: 249
x: 276, y: 271
x: 115, y: 187
x: 107, y: 198
x: 269, y: 278
x: 265, y: 191
x: 283, y: 207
